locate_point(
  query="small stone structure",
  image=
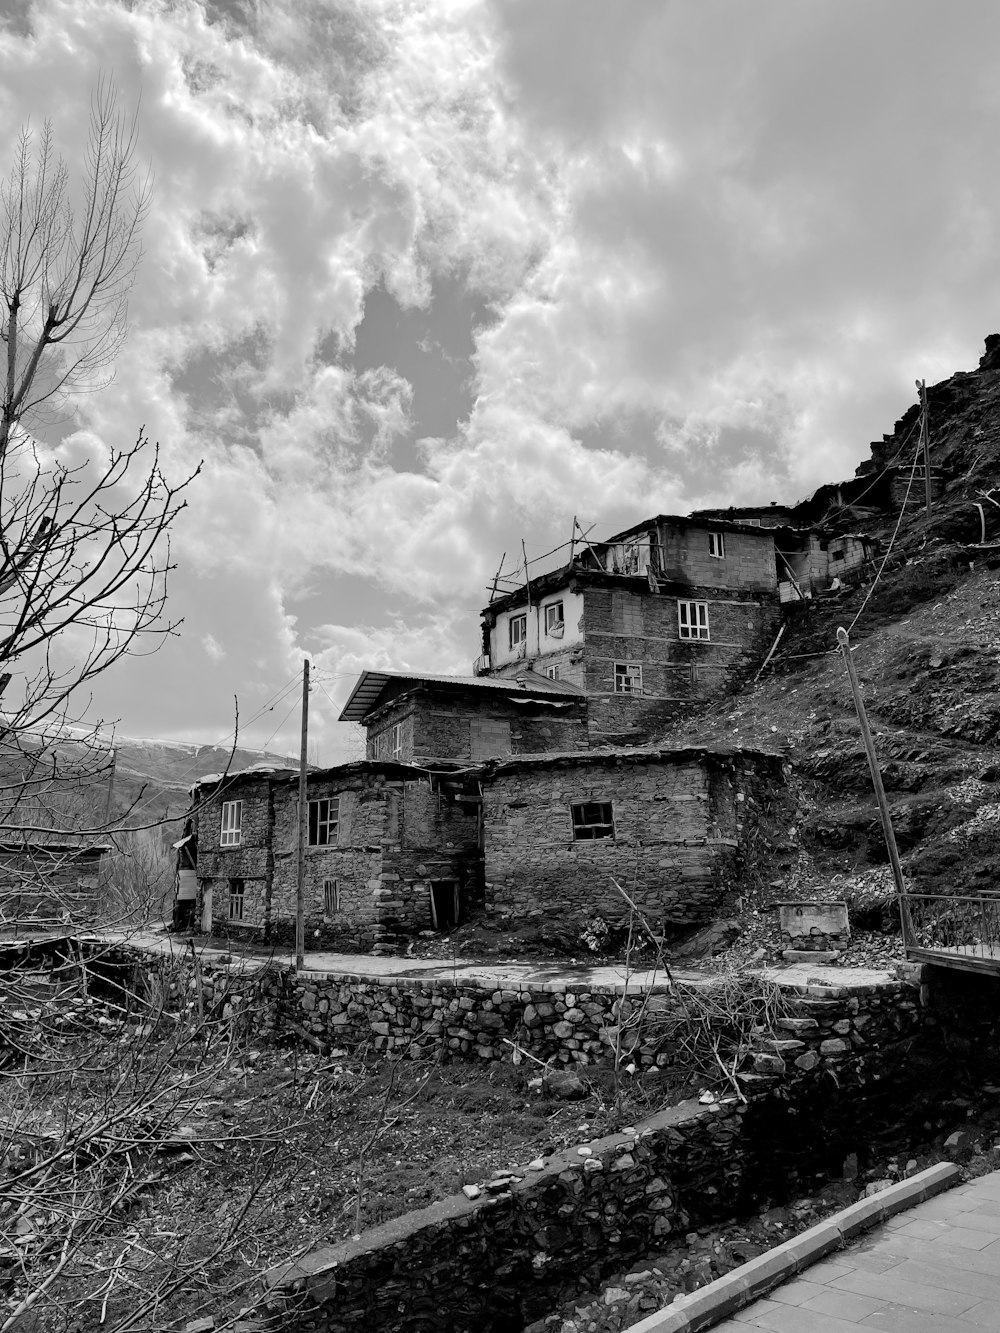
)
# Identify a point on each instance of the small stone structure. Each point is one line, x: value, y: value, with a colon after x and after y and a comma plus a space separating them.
x: 47, y: 880
x: 676, y: 827
x: 811, y: 926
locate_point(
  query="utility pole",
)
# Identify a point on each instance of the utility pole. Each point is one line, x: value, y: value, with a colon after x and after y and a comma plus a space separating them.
x: 843, y: 639
x: 300, y: 879
x: 925, y: 441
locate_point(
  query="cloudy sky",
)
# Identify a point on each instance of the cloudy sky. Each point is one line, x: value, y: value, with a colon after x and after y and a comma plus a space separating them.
x: 423, y: 278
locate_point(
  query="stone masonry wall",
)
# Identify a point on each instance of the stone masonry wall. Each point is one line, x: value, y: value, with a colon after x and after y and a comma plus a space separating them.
x: 749, y: 560
x: 250, y: 861
x: 679, y: 830
x: 555, y: 1022
x: 675, y: 671
x: 494, y: 1263
x: 439, y: 727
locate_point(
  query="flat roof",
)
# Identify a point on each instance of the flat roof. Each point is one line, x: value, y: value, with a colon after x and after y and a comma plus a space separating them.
x: 370, y: 685
x: 638, y: 754
x: 687, y: 521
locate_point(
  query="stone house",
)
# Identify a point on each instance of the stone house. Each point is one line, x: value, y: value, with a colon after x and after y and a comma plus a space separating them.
x: 670, y: 611
x: 47, y: 880
x: 673, y: 827
x: 454, y: 719
x: 390, y: 850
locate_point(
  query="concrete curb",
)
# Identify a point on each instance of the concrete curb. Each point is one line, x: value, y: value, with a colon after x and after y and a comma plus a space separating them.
x: 723, y: 1297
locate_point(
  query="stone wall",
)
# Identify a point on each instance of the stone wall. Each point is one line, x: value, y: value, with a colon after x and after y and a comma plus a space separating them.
x: 397, y: 833
x: 496, y: 1262
x: 675, y: 671
x: 554, y: 1021
x: 440, y: 727
x: 749, y: 561
x: 679, y: 831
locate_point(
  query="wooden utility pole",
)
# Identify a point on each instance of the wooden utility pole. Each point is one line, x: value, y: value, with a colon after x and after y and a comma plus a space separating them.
x: 844, y: 640
x: 300, y: 878
x: 925, y: 441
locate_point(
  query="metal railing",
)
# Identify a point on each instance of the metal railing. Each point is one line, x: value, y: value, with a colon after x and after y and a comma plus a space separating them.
x: 961, y: 924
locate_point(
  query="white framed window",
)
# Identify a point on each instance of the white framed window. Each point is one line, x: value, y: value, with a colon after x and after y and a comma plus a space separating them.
x: 237, y: 899
x: 692, y: 620
x: 394, y: 741
x: 231, y: 832
x: 552, y: 672
x: 517, y: 629
x: 717, y: 545
x: 628, y: 678
x: 592, y: 819
x: 324, y: 817
x: 331, y: 897
x: 554, y: 624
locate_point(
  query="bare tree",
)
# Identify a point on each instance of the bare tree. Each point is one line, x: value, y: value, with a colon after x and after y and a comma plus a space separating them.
x: 65, y: 274
x: 83, y: 555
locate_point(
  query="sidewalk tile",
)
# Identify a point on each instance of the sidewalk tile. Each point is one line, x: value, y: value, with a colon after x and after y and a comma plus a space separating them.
x: 843, y: 1304
x: 984, y: 1285
x: 903, y: 1319
x: 796, y: 1319
x: 888, y: 1287
x: 797, y: 1291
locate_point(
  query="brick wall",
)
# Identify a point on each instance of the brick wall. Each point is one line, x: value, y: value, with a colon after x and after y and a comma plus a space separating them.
x: 676, y: 844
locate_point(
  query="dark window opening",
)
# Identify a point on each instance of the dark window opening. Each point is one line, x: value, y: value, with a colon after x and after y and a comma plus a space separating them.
x: 444, y: 904
x: 593, y: 819
x: 323, y: 817
x: 237, y: 899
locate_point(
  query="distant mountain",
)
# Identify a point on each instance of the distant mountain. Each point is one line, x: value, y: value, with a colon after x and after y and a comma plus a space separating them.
x: 158, y: 774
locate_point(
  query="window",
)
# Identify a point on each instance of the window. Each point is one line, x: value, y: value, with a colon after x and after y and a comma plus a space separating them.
x: 552, y: 672
x: 554, y: 619
x: 518, y: 629
x: 836, y: 555
x: 331, y: 897
x: 237, y: 898
x: 231, y: 834
x: 628, y: 678
x: 717, y: 545
x: 692, y: 620
x: 592, y: 819
x: 323, y: 817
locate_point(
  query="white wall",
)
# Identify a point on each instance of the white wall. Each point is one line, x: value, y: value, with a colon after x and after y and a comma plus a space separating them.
x: 538, y: 643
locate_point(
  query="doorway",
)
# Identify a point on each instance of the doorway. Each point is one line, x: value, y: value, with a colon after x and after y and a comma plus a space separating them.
x: 444, y: 904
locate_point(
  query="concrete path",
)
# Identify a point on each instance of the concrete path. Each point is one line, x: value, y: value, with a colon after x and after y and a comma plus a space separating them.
x: 500, y: 972
x: 932, y: 1269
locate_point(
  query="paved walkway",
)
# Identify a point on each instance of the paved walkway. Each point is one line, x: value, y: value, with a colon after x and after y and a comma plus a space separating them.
x: 499, y: 972
x: 932, y: 1269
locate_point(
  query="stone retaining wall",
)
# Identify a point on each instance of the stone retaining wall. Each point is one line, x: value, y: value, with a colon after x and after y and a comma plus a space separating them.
x: 496, y: 1263
x: 482, y: 1021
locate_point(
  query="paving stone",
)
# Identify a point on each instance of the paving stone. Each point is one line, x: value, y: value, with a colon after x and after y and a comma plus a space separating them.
x: 887, y: 1287
x: 843, y: 1304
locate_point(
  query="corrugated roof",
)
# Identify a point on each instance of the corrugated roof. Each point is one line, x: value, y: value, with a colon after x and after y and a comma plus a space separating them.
x: 370, y: 685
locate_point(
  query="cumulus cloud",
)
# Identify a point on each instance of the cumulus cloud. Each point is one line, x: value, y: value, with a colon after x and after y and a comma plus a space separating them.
x: 708, y: 250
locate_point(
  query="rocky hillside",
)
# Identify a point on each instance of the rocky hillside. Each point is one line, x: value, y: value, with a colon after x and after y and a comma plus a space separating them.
x: 927, y: 636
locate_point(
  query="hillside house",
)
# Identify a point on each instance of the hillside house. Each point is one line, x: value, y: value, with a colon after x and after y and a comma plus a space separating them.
x: 667, y: 612
x: 390, y: 850
x: 671, y: 826
x: 454, y: 719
